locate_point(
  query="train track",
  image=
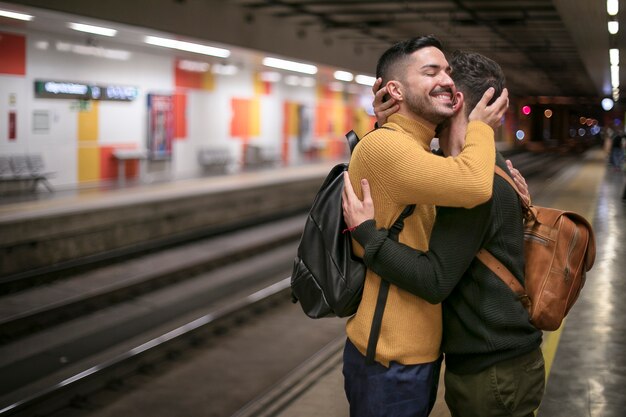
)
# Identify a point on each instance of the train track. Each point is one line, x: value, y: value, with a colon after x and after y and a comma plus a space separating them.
x: 187, y: 291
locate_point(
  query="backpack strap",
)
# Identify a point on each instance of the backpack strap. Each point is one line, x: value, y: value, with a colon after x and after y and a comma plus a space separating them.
x: 504, y: 274
x: 383, y: 291
x: 493, y: 263
x: 529, y: 212
x: 353, y: 139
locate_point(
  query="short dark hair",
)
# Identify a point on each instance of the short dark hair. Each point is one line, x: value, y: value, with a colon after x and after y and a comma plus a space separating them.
x: 387, y: 67
x: 473, y: 74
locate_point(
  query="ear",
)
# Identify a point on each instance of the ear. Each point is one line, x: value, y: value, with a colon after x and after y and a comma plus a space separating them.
x: 394, y: 88
x: 459, y: 102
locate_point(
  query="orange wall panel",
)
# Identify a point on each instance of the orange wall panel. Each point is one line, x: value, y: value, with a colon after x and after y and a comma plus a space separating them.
x: 240, y: 122
x: 180, y: 116
x: 108, y: 164
x: 12, y: 54
x: 187, y: 79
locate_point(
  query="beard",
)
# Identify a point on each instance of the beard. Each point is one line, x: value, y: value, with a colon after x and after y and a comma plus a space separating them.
x: 428, y: 108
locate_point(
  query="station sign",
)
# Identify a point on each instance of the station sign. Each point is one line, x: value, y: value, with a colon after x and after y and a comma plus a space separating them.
x: 81, y: 91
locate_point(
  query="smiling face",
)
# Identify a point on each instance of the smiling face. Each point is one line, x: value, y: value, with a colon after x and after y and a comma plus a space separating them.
x: 426, y: 88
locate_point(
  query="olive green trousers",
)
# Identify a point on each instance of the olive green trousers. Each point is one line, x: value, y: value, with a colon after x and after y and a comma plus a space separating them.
x: 511, y: 388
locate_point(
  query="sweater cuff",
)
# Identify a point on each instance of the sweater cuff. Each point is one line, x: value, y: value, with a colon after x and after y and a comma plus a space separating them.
x: 365, y: 233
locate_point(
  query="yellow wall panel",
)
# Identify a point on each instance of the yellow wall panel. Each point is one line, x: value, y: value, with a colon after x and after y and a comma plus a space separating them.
x: 208, y: 81
x: 88, y: 162
x: 255, y: 117
x: 88, y: 123
x: 88, y: 150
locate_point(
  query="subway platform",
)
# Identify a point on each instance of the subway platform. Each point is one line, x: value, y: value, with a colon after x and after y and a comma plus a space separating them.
x: 585, y: 358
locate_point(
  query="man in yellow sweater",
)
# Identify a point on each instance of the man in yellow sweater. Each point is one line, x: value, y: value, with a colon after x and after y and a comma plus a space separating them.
x: 401, y: 170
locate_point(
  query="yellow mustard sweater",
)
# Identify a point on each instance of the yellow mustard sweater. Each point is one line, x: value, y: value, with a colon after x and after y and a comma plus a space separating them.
x: 401, y: 170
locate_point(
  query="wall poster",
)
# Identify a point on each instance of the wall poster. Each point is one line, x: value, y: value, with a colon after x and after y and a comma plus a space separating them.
x: 160, y: 126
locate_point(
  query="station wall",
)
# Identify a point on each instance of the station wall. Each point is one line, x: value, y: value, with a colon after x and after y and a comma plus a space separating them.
x: 77, y: 138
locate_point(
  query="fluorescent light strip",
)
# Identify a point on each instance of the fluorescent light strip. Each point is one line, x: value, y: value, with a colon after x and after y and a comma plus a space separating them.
x: 613, y: 27
x: 615, y: 76
x: 343, y: 76
x: 614, y: 56
x: 365, y: 80
x: 612, y: 7
x: 227, y: 69
x: 100, y: 52
x: 193, y: 66
x: 289, y: 65
x: 187, y: 46
x: 96, y: 30
x: 270, y: 76
x: 15, y: 15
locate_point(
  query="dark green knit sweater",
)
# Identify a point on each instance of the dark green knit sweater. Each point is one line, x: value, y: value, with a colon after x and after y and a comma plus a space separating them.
x: 483, y: 322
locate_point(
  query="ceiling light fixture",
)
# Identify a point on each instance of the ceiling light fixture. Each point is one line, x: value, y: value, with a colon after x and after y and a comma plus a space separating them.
x: 289, y: 65
x: 15, y: 15
x: 365, y: 80
x: 613, y: 27
x: 614, y: 56
x: 615, y: 76
x: 187, y: 46
x: 612, y: 7
x: 96, y: 30
x: 343, y: 76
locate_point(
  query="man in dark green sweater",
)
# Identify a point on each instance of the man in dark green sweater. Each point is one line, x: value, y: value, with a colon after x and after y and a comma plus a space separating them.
x: 494, y: 364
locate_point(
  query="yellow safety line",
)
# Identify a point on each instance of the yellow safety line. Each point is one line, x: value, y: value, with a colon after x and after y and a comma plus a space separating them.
x: 581, y: 196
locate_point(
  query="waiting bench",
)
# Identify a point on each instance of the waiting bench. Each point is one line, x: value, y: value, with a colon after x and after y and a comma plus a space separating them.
x: 24, y: 169
x: 256, y: 156
x: 216, y: 160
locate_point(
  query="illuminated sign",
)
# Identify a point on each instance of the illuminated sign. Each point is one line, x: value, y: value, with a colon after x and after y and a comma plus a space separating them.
x: 70, y: 90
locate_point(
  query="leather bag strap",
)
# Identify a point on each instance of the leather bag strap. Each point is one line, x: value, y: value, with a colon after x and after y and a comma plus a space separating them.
x: 506, y: 276
x: 383, y: 291
x: 493, y: 263
x: 529, y: 213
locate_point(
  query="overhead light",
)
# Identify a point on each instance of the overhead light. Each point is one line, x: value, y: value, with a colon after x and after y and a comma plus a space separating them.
x: 292, y: 80
x: 193, y: 66
x: 614, y: 56
x: 225, y: 69
x: 365, y: 80
x: 613, y: 27
x: 607, y: 104
x: 289, y: 65
x: 343, y: 76
x: 612, y: 7
x: 336, y: 86
x: 307, y: 82
x: 43, y: 45
x: 270, y: 76
x: 615, y: 76
x: 187, y: 46
x: 96, y: 30
x: 118, y: 54
x: 15, y: 15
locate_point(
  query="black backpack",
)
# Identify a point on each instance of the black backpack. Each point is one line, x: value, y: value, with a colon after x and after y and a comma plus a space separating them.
x: 327, y: 279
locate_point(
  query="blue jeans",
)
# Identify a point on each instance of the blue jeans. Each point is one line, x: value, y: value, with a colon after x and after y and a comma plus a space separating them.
x: 397, y: 391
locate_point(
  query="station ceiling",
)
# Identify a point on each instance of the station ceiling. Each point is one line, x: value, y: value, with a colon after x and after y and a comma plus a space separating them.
x: 555, y: 49
x: 546, y: 48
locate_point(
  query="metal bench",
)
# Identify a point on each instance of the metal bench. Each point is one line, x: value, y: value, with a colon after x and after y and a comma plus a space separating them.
x: 260, y: 157
x: 216, y: 160
x: 25, y: 169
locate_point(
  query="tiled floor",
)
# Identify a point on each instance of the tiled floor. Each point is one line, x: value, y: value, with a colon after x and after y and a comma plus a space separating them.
x: 588, y: 377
